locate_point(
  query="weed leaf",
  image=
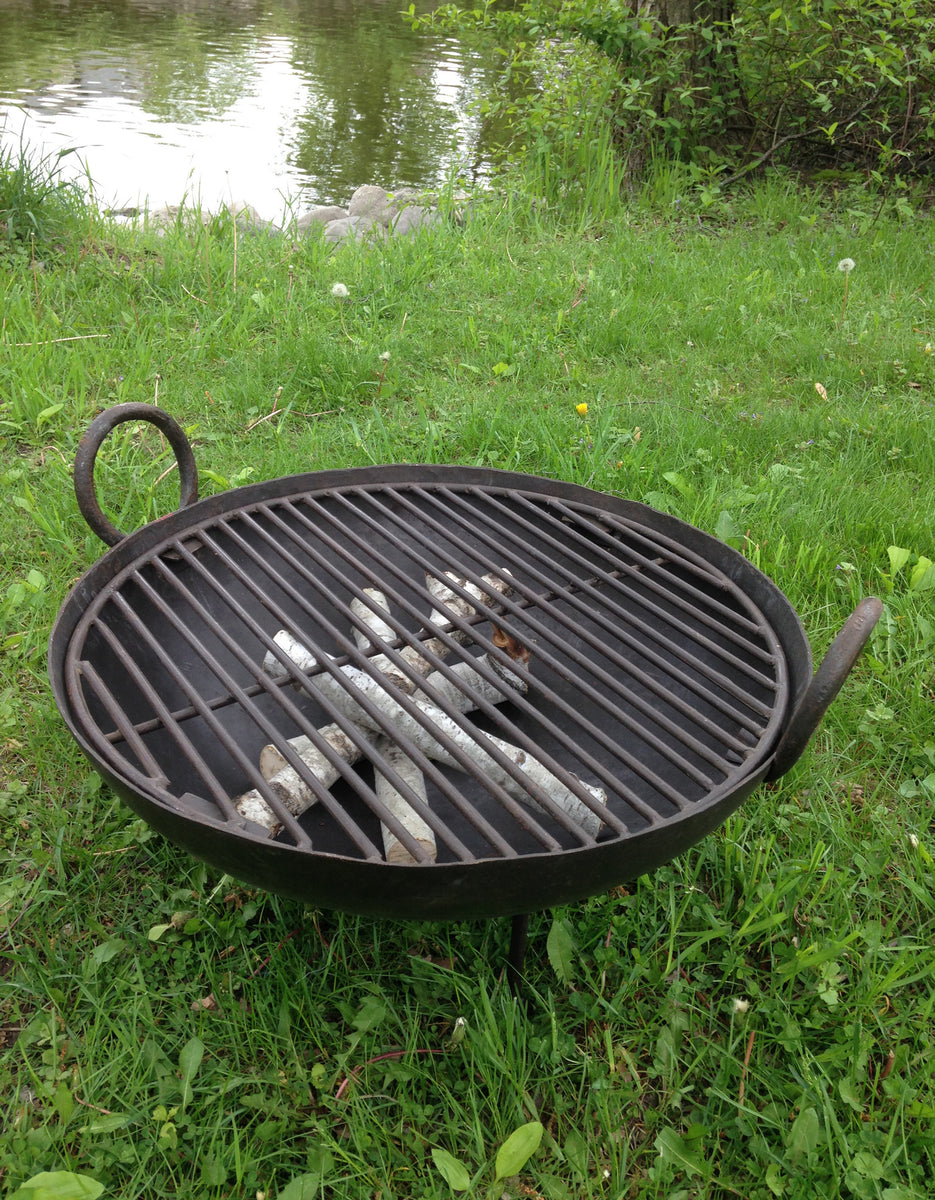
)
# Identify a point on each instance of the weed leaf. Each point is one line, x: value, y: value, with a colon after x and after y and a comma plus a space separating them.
x: 106, y: 951
x: 898, y: 557
x: 922, y: 575
x: 774, y: 1179
x: 303, y: 1187
x: 189, y: 1062
x: 453, y: 1172
x: 728, y: 530
x: 576, y: 1152
x: 679, y: 482
x: 370, y: 1014
x: 674, y: 1149
x: 58, y: 1185
x: 561, y: 951
x: 63, y: 1102
x: 518, y: 1149
x: 804, y: 1134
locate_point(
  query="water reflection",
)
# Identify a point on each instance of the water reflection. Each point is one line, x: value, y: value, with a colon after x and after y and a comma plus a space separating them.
x: 305, y: 99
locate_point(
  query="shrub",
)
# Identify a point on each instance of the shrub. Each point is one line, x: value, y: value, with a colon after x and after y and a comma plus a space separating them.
x: 730, y: 85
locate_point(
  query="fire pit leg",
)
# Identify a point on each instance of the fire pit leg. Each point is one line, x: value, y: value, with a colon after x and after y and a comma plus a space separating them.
x: 519, y: 936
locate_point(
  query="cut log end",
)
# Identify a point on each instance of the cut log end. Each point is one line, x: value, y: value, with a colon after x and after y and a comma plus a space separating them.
x: 252, y: 807
x: 398, y: 855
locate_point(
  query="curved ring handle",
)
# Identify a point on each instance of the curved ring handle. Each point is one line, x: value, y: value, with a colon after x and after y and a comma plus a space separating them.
x: 825, y: 685
x: 98, y: 430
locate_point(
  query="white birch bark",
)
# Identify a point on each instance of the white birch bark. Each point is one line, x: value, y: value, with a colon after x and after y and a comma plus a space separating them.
x: 471, y: 680
x: 402, y: 810
x: 471, y: 745
x: 288, y: 784
x: 297, y: 796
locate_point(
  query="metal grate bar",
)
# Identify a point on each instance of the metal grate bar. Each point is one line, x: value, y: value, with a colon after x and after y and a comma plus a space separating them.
x: 466, y: 625
x: 271, y: 730
x: 560, y: 734
x: 614, y: 580
x: 598, y: 698
x: 566, y: 592
x: 577, y: 595
x: 141, y: 680
x: 691, y: 712
x: 675, y: 591
x: 660, y: 785
x: 355, y: 657
x: 640, y: 768
x: 659, y: 547
x: 593, y: 613
x: 375, y: 714
x: 451, y: 840
x: 115, y: 711
x: 224, y: 737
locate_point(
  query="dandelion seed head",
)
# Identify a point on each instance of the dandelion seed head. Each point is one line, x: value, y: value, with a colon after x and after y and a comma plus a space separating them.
x: 581, y: 410
x: 741, y: 1006
x: 846, y: 265
x: 339, y: 291
x: 385, y: 356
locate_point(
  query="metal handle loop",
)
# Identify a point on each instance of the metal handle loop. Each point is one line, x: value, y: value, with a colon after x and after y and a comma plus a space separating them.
x: 826, y: 683
x: 85, y: 457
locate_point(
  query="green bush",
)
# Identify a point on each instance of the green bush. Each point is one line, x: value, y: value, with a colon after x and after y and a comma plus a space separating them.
x: 735, y: 84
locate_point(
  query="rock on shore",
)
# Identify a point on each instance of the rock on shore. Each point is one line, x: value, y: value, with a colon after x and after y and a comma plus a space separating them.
x: 372, y: 213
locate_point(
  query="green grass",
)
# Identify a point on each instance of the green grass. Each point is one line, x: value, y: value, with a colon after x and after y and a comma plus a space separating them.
x: 38, y: 204
x: 755, y: 1018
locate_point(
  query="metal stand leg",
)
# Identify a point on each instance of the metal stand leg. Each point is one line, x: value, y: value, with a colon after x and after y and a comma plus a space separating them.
x: 519, y: 936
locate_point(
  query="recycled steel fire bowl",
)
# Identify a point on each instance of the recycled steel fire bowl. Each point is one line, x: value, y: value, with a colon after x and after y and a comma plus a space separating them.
x: 538, y: 691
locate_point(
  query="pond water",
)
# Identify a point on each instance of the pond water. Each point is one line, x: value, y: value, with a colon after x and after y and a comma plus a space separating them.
x: 298, y: 100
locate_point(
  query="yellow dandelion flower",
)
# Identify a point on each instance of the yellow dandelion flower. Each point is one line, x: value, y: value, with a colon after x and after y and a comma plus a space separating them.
x: 581, y: 410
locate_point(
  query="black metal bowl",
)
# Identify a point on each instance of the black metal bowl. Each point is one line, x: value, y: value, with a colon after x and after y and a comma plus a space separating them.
x: 666, y: 670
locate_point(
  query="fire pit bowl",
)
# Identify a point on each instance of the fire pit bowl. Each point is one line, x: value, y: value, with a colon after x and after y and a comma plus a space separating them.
x: 430, y: 692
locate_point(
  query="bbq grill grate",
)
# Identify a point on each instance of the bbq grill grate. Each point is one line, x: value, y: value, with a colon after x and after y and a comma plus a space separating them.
x: 653, y: 675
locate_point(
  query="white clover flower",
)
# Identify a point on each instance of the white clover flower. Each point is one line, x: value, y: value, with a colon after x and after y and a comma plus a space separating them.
x: 927, y: 348
x: 741, y: 1007
x: 846, y: 265
x: 339, y: 291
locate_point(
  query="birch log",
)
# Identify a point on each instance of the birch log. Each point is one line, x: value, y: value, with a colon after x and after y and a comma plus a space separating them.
x: 469, y: 677
x: 380, y: 632
x: 344, y: 694
x: 448, y: 601
x: 288, y: 784
x: 473, y: 684
x: 399, y: 806
x: 295, y: 793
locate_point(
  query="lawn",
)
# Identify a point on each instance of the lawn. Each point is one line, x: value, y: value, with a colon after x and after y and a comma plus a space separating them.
x: 754, y: 1019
